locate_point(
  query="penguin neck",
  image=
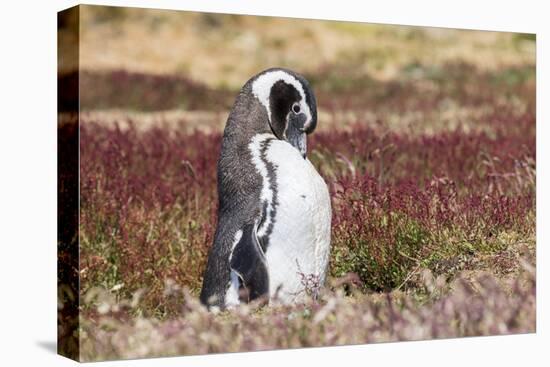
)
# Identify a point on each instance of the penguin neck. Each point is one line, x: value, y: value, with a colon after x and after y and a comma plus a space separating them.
x: 247, y: 119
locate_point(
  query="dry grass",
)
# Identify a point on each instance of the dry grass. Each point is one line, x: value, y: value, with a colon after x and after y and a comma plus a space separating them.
x: 223, y: 50
x: 480, y: 305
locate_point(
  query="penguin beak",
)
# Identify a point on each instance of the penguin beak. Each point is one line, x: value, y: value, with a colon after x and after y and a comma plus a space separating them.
x: 296, y: 134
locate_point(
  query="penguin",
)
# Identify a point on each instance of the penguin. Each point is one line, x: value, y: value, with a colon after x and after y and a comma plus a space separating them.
x: 272, y: 239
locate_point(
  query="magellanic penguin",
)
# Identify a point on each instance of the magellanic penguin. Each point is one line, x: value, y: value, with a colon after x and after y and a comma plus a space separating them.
x: 273, y: 232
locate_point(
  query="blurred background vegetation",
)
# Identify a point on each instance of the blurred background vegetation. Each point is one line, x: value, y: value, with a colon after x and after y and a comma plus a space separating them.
x: 145, y: 59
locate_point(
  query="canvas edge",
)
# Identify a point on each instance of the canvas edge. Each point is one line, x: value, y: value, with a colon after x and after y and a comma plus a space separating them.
x: 68, y: 321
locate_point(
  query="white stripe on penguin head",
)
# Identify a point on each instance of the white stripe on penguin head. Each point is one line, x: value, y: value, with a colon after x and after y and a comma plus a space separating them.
x: 261, y: 88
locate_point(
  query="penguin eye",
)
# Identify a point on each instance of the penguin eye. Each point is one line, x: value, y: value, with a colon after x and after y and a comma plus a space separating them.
x: 296, y: 108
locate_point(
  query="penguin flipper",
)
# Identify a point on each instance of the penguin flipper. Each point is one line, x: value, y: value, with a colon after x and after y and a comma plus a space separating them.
x: 248, y: 261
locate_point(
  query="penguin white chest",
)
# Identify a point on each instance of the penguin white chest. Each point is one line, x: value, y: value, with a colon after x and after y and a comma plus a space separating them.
x: 299, y: 243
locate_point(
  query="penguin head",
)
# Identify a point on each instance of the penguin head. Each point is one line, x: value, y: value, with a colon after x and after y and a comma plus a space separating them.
x: 290, y: 105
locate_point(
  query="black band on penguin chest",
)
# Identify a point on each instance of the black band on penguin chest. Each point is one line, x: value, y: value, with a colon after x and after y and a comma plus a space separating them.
x: 268, y: 215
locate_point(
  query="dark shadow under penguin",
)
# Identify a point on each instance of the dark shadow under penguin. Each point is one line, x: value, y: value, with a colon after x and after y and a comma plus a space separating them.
x: 273, y: 232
